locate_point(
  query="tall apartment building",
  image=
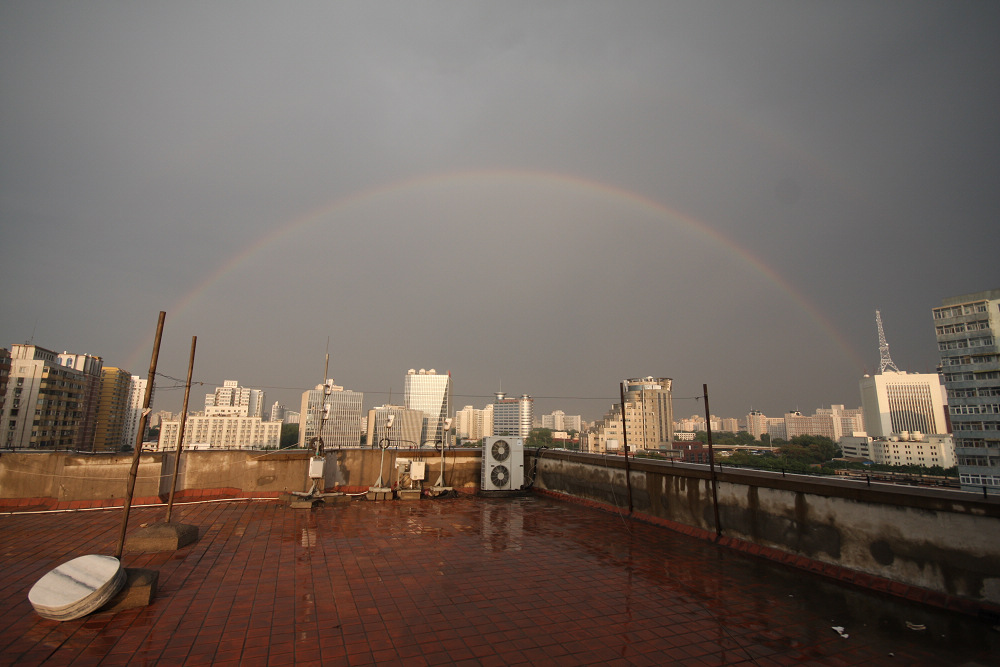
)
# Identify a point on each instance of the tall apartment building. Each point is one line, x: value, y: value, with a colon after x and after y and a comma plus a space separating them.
x: 137, y: 392
x: 895, y: 403
x: 112, y: 409
x: 759, y: 424
x: 967, y: 327
x: 560, y: 421
x: 513, y: 416
x: 472, y: 424
x: 232, y: 400
x: 404, y: 432
x: 90, y: 367
x: 334, y: 409
x: 277, y: 412
x: 431, y: 394
x: 44, y: 403
x: 649, y: 413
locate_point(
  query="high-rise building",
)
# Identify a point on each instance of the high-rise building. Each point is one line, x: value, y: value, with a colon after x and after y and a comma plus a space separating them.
x: 277, y: 412
x: 137, y: 393
x: 605, y: 435
x: 897, y: 402
x: 967, y: 327
x: 44, y: 403
x: 90, y: 367
x: 560, y: 421
x: 112, y: 408
x: 649, y: 413
x: 232, y: 400
x: 431, y: 394
x: 513, y: 416
x: 333, y: 412
x: 472, y: 424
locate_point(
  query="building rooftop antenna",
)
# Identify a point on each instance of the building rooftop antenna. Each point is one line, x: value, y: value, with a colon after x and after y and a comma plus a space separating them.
x: 885, y: 361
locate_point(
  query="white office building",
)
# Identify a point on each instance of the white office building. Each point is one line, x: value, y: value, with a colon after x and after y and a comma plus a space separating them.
x: 332, y: 412
x: 513, y: 416
x: 232, y: 400
x: 220, y: 432
x: 430, y: 393
x: 896, y: 403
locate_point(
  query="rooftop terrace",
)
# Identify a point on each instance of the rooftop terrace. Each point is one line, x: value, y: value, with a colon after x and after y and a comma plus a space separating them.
x: 467, y: 580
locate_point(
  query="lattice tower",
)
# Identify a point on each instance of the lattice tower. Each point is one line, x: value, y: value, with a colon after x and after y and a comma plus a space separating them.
x: 885, y: 361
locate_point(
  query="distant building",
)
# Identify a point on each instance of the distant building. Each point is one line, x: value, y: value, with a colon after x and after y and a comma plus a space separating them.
x: 967, y: 329
x: 220, y: 432
x: 605, y: 435
x: 43, y: 406
x: 112, y: 410
x: 833, y: 423
x: 560, y: 421
x: 404, y: 432
x: 513, y: 416
x: 896, y: 403
x: 291, y: 417
x: 473, y: 424
x: 649, y: 413
x: 918, y: 450
x: 4, y: 376
x: 137, y: 393
x: 90, y: 367
x: 336, y: 410
x: 431, y: 394
x: 232, y: 400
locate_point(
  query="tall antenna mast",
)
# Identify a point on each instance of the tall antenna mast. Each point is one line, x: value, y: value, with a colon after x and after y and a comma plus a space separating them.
x: 885, y: 361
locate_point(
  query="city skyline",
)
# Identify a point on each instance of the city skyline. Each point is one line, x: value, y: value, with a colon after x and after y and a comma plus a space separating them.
x: 541, y: 199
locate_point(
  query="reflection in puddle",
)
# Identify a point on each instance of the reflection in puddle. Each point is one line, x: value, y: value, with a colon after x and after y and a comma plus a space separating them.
x: 502, y: 526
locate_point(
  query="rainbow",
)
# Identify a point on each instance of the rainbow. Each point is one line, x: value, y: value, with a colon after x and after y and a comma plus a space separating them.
x: 506, y: 177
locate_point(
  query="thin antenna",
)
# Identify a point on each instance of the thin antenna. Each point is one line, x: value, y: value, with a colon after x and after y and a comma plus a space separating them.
x: 885, y: 361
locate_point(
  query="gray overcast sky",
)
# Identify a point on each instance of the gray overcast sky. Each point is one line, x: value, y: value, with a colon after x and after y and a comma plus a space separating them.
x: 550, y: 196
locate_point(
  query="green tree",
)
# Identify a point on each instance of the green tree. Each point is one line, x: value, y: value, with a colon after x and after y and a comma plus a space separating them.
x: 289, y: 435
x: 540, y: 437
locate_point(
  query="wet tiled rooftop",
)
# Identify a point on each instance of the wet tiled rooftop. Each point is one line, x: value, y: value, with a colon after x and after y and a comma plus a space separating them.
x: 467, y: 581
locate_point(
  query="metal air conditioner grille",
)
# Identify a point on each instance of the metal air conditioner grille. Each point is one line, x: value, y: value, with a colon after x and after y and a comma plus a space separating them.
x: 500, y: 450
x: 500, y: 476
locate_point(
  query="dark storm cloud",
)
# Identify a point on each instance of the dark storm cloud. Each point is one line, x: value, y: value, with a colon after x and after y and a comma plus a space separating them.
x: 851, y: 148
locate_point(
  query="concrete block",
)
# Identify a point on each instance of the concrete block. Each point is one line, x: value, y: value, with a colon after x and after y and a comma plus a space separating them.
x: 139, y: 590
x: 380, y: 495
x: 409, y: 494
x: 161, y: 537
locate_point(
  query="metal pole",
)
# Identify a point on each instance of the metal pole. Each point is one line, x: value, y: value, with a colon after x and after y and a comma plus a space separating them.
x: 628, y: 472
x: 143, y: 419
x: 180, y: 434
x: 711, y: 463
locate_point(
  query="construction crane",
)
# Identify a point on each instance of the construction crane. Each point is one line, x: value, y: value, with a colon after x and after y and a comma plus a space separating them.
x: 885, y: 361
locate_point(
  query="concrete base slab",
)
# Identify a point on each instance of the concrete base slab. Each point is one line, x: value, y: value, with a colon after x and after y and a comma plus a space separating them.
x: 336, y: 498
x: 161, y: 537
x: 379, y: 493
x: 139, y: 590
x: 304, y: 503
x: 409, y: 494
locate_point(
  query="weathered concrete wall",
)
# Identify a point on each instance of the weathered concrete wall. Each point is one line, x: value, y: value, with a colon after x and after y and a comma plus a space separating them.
x: 64, y: 477
x: 939, y: 540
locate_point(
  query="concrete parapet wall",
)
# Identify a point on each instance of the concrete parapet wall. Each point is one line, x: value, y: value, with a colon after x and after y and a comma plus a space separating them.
x: 939, y: 540
x: 63, y: 477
